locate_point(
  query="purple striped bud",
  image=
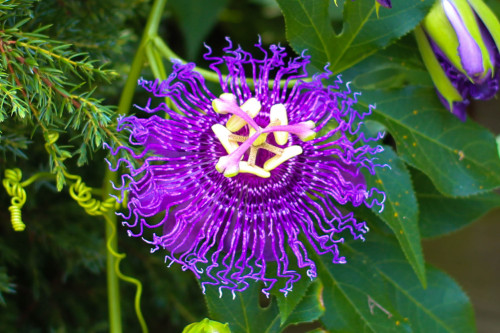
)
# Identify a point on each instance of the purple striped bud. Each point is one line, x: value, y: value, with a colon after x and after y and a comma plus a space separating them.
x: 385, y: 3
x: 464, y: 36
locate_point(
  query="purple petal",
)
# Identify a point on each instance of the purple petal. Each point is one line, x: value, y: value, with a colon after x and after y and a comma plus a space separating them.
x: 470, y: 53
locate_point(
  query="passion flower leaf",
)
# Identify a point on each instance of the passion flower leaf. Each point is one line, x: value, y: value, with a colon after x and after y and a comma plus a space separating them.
x: 441, y: 215
x: 460, y: 158
x: 243, y: 312
x: 197, y: 18
x: 363, y: 33
x: 401, y: 208
x: 311, y: 306
x: 378, y: 292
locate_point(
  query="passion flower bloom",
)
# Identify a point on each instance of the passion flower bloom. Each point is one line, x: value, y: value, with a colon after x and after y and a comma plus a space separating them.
x: 239, y: 184
x: 459, y: 41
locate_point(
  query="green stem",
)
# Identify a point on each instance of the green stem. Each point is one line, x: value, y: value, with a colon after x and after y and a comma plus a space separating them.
x: 123, y: 108
x: 150, y: 32
x: 115, y: 319
x: 170, y: 55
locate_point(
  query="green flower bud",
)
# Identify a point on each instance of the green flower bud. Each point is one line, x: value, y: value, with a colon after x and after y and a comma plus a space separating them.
x: 207, y: 326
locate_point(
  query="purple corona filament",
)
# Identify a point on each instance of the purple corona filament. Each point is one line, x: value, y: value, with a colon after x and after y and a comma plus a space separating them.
x: 238, y: 182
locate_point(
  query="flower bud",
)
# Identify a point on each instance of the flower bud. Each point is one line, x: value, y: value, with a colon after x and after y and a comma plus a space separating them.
x: 207, y: 326
x: 459, y: 42
x: 385, y: 3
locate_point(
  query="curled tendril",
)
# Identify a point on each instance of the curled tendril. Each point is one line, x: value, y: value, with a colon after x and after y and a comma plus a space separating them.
x: 82, y: 194
x: 13, y: 186
x: 50, y: 139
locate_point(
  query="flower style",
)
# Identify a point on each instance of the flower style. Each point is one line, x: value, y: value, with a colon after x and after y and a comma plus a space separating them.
x: 459, y: 41
x: 231, y: 185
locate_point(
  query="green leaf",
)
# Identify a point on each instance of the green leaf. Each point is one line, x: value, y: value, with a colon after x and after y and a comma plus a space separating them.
x: 243, y: 313
x: 196, y: 18
x: 401, y: 209
x: 309, y: 28
x: 460, y: 158
x: 287, y: 303
x: 441, y: 215
x: 396, y: 66
x: 377, y: 291
x: 311, y: 306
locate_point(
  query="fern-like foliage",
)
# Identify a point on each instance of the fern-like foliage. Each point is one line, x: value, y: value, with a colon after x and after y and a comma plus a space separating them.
x: 49, y: 86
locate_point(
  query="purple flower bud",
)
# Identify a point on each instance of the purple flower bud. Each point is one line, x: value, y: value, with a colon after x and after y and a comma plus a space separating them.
x: 464, y: 36
x: 235, y: 183
x: 385, y: 3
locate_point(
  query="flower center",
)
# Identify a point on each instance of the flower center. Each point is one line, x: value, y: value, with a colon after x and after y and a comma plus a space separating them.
x: 237, y: 145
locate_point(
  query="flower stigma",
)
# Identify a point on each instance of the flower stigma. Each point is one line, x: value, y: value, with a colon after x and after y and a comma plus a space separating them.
x: 243, y: 116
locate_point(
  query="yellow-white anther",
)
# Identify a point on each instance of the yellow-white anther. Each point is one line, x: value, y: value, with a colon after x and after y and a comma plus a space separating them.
x: 308, y: 135
x: 260, y: 140
x: 251, y: 107
x: 277, y: 160
x: 278, y: 114
x: 223, y: 134
x: 253, y: 169
x: 310, y: 124
x: 219, y: 104
x: 228, y: 97
x: 230, y: 170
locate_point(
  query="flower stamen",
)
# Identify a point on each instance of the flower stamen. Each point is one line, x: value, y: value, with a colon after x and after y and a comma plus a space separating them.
x: 232, y: 164
x: 251, y: 107
x: 226, y: 103
x: 287, y: 154
x: 279, y: 116
x: 224, y: 136
x: 253, y: 155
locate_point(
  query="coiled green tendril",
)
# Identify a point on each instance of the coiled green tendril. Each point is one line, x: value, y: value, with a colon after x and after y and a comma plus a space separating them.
x: 12, y: 184
x: 82, y: 194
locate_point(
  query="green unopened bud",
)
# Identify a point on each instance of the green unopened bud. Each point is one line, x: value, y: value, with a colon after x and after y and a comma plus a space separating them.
x: 438, y: 75
x: 207, y: 326
x: 455, y: 28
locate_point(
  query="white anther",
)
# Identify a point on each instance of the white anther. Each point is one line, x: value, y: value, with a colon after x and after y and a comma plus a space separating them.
x: 228, y: 170
x: 277, y: 160
x: 278, y: 113
x: 251, y: 107
x: 228, y: 97
x: 223, y: 134
x: 253, y: 169
x: 219, y: 104
x: 310, y: 134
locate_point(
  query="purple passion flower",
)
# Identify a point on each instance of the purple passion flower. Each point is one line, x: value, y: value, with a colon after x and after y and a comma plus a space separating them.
x: 459, y: 41
x: 234, y: 184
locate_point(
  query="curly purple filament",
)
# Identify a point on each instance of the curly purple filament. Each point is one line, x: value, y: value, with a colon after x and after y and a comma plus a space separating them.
x: 229, y: 231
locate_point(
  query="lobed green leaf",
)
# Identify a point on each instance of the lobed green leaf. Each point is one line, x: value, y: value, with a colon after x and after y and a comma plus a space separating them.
x: 441, y: 215
x: 460, y: 158
x: 363, y: 33
x: 400, y: 209
x: 377, y: 291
